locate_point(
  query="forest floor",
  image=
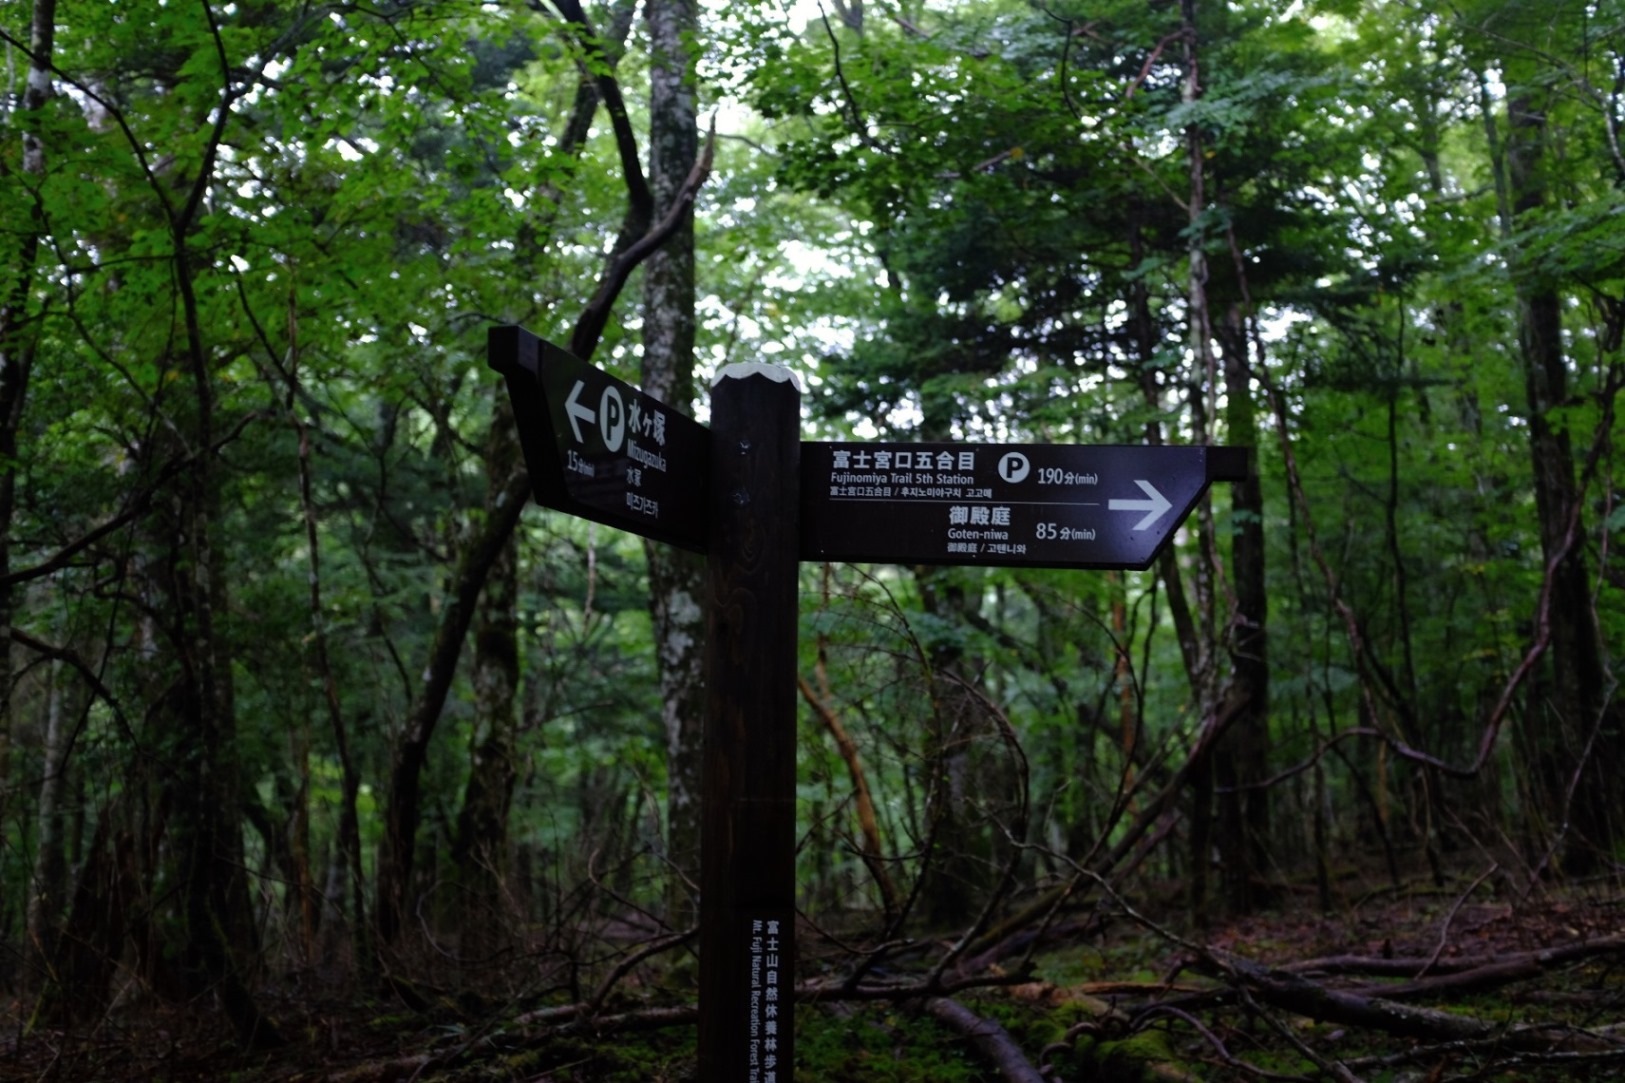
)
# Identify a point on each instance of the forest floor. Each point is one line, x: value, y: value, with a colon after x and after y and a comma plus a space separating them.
x: 1371, y: 992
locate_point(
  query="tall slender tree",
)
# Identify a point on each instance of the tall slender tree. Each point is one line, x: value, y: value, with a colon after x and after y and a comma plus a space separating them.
x: 18, y: 343
x: 675, y: 577
x: 1583, y: 739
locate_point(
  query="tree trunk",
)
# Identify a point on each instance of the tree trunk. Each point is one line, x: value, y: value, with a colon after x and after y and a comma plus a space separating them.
x: 215, y: 939
x: 961, y: 864
x: 1242, y: 757
x: 347, y: 851
x: 675, y: 577
x: 17, y: 346
x: 480, y: 847
x: 207, y: 787
x: 402, y: 808
x: 1203, y: 398
x: 50, y: 864
x: 1563, y: 748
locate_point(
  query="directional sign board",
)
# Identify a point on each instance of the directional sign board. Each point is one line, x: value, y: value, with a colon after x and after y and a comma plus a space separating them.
x: 599, y: 448
x: 1047, y: 505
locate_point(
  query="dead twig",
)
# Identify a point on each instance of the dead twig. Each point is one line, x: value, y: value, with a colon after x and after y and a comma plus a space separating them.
x: 1449, y: 919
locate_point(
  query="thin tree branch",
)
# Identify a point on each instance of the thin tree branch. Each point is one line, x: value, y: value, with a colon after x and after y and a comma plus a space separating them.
x: 590, y: 327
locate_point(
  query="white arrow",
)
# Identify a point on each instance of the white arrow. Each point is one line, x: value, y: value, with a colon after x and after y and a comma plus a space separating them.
x: 1153, y: 508
x: 574, y: 410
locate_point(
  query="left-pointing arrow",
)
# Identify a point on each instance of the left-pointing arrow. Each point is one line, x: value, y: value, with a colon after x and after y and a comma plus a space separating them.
x: 1153, y: 508
x: 574, y: 410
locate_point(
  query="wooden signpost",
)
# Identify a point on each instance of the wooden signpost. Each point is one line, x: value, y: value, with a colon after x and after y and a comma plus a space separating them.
x: 756, y: 499
x: 748, y: 784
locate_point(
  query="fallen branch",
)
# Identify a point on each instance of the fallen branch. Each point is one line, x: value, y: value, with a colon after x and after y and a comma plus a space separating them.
x: 381, y: 1071
x: 1300, y: 996
x: 1464, y: 981
x: 1407, y: 966
x: 1578, y: 1065
x: 567, y: 1018
x: 1023, y: 940
x: 990, y: 1040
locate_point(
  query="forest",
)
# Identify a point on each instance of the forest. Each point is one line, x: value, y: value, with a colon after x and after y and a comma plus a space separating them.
x: 327, y: 754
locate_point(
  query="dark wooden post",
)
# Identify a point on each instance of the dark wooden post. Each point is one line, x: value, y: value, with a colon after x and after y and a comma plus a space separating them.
x: 747, y: 847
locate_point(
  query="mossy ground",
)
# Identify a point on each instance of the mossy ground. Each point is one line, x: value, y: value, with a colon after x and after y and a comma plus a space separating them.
x: 1072, y: 1012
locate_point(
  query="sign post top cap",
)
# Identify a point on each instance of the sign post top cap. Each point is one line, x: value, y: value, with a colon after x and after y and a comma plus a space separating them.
x: 739, y: 370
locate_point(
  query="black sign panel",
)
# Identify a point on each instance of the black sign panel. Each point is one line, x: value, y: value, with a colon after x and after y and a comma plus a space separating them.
x: 1047, y: 505
x: 599, y: 448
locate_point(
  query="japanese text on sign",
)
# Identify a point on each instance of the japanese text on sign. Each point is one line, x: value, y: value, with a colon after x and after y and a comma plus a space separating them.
x: 765, y: 971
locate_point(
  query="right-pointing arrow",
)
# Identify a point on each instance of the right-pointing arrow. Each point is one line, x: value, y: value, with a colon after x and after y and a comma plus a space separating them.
x: 574, y: 410
x: 1153, y: 508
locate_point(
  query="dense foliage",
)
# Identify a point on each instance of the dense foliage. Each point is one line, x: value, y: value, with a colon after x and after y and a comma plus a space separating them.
x: 255, y: 475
